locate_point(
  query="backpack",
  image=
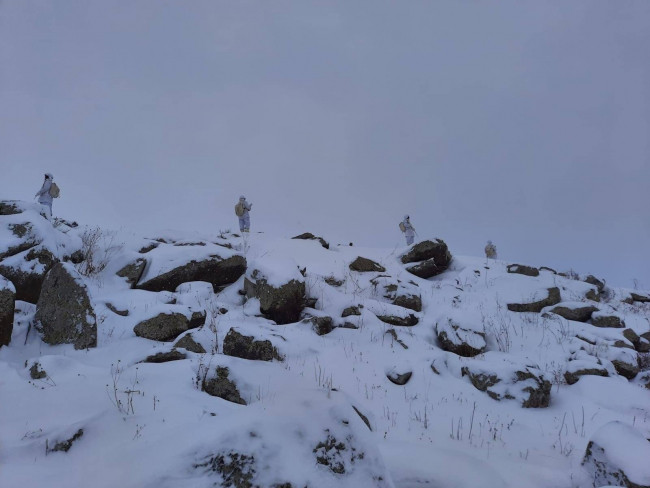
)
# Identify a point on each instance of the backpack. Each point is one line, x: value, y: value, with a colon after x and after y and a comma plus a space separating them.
x: 54, y: 190
x: 239, y: 209
x: 402, y: 227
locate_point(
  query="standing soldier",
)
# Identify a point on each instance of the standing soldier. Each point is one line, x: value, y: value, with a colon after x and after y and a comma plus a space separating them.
x: 408, y: 229
x: 47, y: 193
x: 490, y: 250
x: 241, y: 210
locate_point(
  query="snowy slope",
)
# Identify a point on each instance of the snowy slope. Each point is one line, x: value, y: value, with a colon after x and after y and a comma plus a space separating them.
x: 149, y: 424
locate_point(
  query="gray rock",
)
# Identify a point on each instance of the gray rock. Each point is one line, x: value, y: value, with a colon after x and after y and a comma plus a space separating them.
x: 121, y: 313
x: 65, y: 445
x: 163, y: 327
x: 409, y: 321
x: 8, y: 207
x: 312, y: 237
x: 188, y: 343
x: 631, y: 336
x: 592, y: 280
x: 222, y: 387
x: 609, y: 465
x: 593, y: 295
x: 553, y: 298
x: 577, y: 314
x: 36, y: 372
x: 282, y: 304
x: 532, y: 390
x: 351, y: 311
x: 133, y: 271
x: 425, y: 250
x: 413, y: 302
x: 626, y: 370
x: 464, y: 342
x: 635, y: 297
x: 365, y: 265
x: 215, y: 270
x: 64, y: 314
x: 165, y: 357
x: 7, y: 307
x: 523, y: 270
x: 246, y: 347
x: 332, y: 281
x: 399, y: 378
x: 425, y: 269
x: 572, y: 377
x: 26, y: 274
x: 321, y: 325
x: 608, y: 321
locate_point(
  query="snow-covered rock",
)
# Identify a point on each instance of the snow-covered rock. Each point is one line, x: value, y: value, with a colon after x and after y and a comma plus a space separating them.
x: 64, y: 312
x: 281, y: 300
x: 7, y: 306
x: 617, y: 455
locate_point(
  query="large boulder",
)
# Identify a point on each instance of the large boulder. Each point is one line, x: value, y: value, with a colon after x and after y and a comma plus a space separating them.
x: 431, y: 258
x: 618, y: 455
x: 365, y: 265
x: 27, y: 270
x: 553, y: 298
x: 164, y: 326
x: 7, y: 305
x: 592, y: 280
x: 64, y: 313
x: 281, y: 302
x: 213, y: 269
x: 246, y: 347
x: 465, y: 342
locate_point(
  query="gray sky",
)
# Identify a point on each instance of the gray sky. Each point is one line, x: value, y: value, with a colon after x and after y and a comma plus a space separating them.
x: 524, y: 122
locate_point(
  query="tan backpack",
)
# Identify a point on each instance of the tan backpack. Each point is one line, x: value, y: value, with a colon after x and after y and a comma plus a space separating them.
x: 54, y: 190
x: 239, y: 209
x: 402, y: 227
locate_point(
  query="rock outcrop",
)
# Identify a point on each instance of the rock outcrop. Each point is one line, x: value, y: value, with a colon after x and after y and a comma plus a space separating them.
x: 521, y: 384
x: 27, y: 271
x: 223, y: 387
x: 431, y: 258
x: 553, y: 298
x: 7, y: 305
x: 462, y: 341
x: 523, y: 270
x: 365, y: 265
x: 612, y: 457
x: 64, y: 313
x: 215, y: 270
x: 163, y: 327
x: 283, y: 303
x: 576, y: 313
x: 133, y: 271
x: 311, y: 237
x: 246, y: 347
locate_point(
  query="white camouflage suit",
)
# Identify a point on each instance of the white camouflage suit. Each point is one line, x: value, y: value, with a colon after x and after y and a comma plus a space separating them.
x: 409, y: 231
x: 44, y: 197
x: 245, y: 219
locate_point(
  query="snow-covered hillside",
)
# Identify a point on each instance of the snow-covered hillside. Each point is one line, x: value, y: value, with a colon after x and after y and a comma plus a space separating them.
x: 211, y: 360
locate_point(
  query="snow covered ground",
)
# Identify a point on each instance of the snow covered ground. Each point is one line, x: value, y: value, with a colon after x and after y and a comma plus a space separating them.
x: 324, y: 412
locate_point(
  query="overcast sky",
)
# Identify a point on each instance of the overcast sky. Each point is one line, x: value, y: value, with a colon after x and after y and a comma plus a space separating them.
x: 524, y: 122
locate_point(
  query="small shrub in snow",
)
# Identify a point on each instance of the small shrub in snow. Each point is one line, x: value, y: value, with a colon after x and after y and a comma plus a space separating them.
x: 98, y: 247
